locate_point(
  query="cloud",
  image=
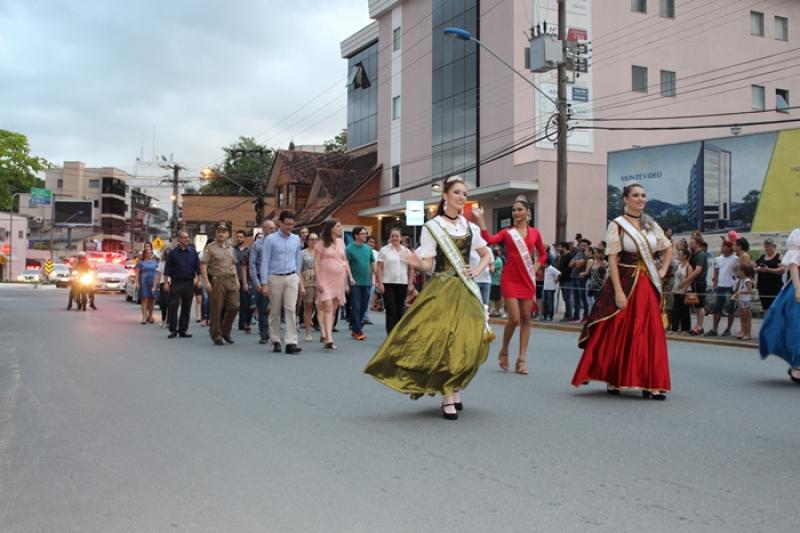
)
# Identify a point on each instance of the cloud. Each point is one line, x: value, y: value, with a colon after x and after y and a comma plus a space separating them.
x: 87, y: 80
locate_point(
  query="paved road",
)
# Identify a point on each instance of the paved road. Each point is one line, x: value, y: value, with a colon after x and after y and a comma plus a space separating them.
x: 106, y: 425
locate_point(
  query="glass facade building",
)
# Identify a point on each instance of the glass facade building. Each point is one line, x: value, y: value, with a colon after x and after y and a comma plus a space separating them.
x: 362, y: 97
x: 455, y: 92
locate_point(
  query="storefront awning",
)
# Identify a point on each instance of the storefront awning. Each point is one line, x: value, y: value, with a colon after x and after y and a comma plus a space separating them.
x: 506, y: 188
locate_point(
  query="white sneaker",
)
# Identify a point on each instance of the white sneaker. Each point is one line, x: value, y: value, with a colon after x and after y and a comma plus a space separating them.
x: 308, y: 337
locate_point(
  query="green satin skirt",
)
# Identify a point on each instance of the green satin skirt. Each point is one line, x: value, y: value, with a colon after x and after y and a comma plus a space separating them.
x: 438, y: 344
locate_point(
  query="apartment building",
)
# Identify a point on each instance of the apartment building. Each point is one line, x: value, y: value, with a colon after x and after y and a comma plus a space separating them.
x: 434, y: 106
x: 105, y: 189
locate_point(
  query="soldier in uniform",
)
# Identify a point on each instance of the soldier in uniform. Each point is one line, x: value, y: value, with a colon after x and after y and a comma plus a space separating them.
x: 218, y: 268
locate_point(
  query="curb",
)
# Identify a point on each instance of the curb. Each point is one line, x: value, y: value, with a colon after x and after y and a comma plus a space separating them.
x: 693, y: 340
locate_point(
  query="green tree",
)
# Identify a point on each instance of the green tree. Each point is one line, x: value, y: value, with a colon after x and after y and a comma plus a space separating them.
x: 746, y: 211
x: 245, y: 168
x: 18, y: 167
x: 614, y: 202
x: 338, y: 144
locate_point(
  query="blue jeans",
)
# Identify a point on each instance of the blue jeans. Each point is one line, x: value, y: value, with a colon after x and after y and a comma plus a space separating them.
x: 549, y: 300
x: 359, y: 300
x: 581, y: 305
x: 566, y: 294
x: 485, y: 288
x: 262, y: 305
x: 365, y: 317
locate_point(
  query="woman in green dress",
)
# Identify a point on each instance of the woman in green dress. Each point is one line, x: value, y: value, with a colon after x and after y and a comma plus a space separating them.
x: 442, y: 339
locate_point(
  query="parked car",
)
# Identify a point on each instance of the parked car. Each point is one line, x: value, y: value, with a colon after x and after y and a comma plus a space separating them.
x: 111, y: 277
x: 59, y: 275
x: 30, y: 275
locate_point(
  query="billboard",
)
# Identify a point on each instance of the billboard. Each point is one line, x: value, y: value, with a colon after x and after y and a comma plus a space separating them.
x: 73, y: 212
x: 749, y: 183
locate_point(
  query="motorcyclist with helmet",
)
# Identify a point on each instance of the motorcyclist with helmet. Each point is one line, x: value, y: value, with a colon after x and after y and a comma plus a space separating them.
x: 82, y: 266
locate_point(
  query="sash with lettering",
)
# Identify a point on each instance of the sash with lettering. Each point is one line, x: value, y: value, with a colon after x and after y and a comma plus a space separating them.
x: 525, y: 254
x: 453, y: 255
x: 631, y: 267
x: 644, y: 249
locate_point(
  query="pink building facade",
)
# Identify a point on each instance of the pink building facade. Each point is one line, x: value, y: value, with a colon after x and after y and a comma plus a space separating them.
x: 444, y: 106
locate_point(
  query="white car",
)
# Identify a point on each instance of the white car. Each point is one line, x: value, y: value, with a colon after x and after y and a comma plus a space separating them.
x: 132, y: 290
x: 59, y: 275
x: 110, y: 278
x: 30, y: 275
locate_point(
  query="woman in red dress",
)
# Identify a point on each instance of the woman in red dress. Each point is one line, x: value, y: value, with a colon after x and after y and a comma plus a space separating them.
x: 623, y: 340
x: 517, y: 282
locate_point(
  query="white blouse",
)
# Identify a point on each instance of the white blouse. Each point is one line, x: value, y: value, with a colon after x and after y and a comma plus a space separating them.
x: 395, y: 269
x: 655, y: 238
x: 456, y: 228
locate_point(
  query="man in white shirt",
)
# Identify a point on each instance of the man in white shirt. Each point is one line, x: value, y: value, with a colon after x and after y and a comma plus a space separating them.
x: 723, y: 281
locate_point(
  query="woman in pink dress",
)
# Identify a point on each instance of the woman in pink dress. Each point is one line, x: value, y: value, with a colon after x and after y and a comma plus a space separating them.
x: 332, y: 273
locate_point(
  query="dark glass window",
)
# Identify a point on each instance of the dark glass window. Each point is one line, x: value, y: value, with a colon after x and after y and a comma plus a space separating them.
x: 362, y: 97
x: 455, y: 92
x: 395, y: 176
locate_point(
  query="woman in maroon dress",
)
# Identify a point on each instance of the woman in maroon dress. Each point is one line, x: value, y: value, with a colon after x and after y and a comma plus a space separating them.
x: 623, y: 341
x: 517, y: 282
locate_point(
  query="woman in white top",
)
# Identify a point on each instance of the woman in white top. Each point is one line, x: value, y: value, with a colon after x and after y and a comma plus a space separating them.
x: 394, y: 278
x: 439, y: 343
x: 623, y: 341
x: 681, y: 318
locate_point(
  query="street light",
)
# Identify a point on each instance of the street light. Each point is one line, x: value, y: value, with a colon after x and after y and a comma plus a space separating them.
x: 11, y: 242
x: 561, y: 107
x: 460, y: 34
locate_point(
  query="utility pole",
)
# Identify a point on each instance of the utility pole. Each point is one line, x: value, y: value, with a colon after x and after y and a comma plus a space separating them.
x: 175, y: 168
x: 561, y: 146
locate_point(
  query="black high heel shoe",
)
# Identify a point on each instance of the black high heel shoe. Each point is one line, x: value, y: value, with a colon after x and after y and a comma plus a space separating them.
x: 653, y: 395
x: 449, y: 416
x: 612, y: 391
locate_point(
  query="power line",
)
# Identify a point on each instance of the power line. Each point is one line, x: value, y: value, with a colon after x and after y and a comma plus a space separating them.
x: 682, y: 117
x: 694, y: 127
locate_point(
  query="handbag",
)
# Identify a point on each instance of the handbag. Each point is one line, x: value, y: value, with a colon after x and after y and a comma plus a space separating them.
x: 691, y: 298
x: 730, y: 307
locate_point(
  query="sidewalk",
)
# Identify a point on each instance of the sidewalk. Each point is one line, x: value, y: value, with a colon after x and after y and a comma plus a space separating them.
x: 26, y: 286
x: 681, y: 337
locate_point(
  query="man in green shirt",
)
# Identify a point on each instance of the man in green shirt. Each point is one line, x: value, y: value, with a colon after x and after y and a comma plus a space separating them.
x: 362, y: 267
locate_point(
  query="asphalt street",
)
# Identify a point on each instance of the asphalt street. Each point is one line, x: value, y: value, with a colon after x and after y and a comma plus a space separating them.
x: 107, y: 425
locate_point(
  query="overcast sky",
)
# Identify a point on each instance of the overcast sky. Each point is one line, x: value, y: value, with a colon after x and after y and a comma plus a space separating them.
x: 88, y: 79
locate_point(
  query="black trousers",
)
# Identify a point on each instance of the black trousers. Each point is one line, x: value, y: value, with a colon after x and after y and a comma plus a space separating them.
x: 681, y: 319
x: 181, y: 294
x: 394, y: 303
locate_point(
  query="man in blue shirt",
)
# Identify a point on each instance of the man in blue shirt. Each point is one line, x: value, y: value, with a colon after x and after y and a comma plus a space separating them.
x: 182, y: 271
x: 262, y: 301
x: 280, y: 268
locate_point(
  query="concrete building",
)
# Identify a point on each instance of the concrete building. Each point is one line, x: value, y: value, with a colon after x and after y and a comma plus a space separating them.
x: 13, y: 245
x: 436, y: 107
x: 107, y: 191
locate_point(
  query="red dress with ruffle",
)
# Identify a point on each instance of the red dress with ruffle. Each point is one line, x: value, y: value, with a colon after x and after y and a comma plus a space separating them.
x: 515, y: 282
x: 626, y: 348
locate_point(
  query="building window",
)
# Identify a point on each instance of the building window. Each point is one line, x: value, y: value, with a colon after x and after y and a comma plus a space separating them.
x: 395, y: 176
x: 396, y: 108
x: 757, y: 23
x: 781, y: 29
x: 639, y: 79
x: 667, y: 83
x: 757, y: 96
x: 291, y: 196
x: 667, y: 9
x: 639, y: 6
x: 782, y: 100
x: 281, y: 196
x: 362, y: 97
x: 94, y: 184
x: 397, y: 36
x: 60, y: 184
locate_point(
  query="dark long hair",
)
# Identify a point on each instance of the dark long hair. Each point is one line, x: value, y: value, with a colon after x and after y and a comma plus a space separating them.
x: 327, y: 232
x: 448, y: 184
x: 646, y: 221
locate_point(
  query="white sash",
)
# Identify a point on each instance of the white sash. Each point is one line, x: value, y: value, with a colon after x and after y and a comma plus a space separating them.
x: 644, y: 249
x: 524, y: 253
x: 453, y: 255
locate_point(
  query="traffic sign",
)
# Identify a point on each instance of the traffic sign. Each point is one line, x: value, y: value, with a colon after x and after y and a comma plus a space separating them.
x: 41, y: 196
x: 158, y: 244
x: 48, y: 267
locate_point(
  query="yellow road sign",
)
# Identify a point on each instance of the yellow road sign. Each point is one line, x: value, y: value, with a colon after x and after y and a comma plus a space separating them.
x: 158, y: 244
x: 48, y: 267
